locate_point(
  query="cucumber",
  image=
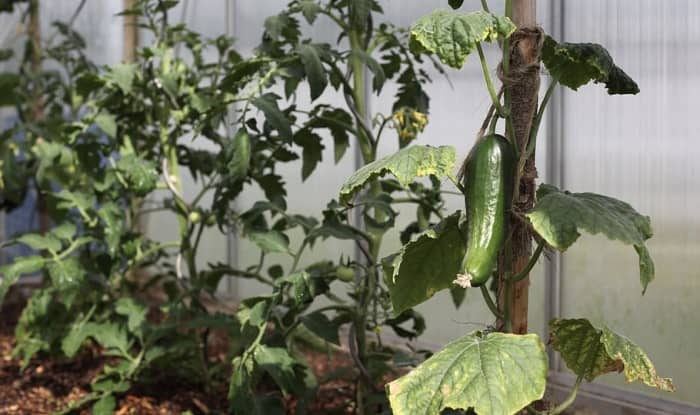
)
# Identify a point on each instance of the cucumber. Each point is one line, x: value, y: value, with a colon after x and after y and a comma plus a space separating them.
x: 489, y: 173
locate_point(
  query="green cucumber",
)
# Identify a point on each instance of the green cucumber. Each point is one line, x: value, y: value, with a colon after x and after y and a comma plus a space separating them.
x: 489, y: 173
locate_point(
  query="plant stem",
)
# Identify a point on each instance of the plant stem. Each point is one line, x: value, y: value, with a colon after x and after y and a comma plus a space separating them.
x: 569, y: 399
x: 365, y: 288
x: 485, y: 6
x: 533, y: 260
x: 538, y: 119
x: 489, y: 83
x: 489, y: 302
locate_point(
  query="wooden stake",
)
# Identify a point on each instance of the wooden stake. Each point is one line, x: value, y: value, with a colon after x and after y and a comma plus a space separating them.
x: 522, y: 81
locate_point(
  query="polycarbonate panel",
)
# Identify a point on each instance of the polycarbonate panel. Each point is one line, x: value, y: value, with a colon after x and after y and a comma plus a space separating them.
x: 643, y: 149
x: 97, y: 22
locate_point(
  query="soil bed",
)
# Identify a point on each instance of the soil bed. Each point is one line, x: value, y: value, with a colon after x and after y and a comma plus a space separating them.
x: 49, y: 384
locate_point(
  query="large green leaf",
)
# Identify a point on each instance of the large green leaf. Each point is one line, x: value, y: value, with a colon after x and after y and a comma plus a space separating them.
x: 576, y: 64
x: 313, y: 67
x: 496, y: 374
x: 406, y: 165
x: 591, y: 352
x: 428, y: 263
x: 452, y: 35
x: 560, y: 216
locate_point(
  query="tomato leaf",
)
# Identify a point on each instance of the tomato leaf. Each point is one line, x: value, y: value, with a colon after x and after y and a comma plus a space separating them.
x: 310, y: 9
x: 107, y: 123
x: 40, y: 242
x: 428, y: 263
x: 11, y: 272
x: 270, y: 241
x: 273, y: 115
x: 560, y: 216
x: 313, y: 67
x: 453, y: 35
x: 239, y: 157
x: 337, y: 121
x: 591, y: 352
x: 406, y: 165
x: 122, y: 74
x: 312, y: 152
x: 576, y: 64
x: 494, y: 374
x: 105, y: 405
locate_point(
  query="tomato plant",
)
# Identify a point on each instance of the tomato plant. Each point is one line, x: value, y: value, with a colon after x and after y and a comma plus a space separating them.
x: 104, y: 146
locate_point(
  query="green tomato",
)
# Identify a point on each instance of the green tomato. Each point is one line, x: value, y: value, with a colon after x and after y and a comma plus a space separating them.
x: 344, y: 273
x: 195, y: 217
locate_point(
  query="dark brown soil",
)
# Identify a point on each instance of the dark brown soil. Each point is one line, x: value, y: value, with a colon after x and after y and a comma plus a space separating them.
x: 49, y: 384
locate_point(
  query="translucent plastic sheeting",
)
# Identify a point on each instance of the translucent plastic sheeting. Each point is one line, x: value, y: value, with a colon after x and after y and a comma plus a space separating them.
x: 643, y: 149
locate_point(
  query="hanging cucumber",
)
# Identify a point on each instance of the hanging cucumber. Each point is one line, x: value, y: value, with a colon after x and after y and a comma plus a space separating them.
x: 489, y: 173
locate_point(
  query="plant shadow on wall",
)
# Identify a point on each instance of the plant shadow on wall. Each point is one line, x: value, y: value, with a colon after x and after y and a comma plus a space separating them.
x: 104, y: 146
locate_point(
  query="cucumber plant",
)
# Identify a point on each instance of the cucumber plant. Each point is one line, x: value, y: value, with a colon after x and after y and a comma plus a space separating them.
x: 500, y: 370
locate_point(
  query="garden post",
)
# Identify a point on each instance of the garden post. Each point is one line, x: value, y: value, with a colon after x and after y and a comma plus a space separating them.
x: 521, y: 79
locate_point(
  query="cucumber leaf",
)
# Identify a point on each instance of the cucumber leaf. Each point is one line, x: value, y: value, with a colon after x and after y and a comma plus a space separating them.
x: 452, y: 35
x: 455, y: 4
x: 560, y: 216
x: 427, y: 264
x: 591, y: 352
x: 406, y: 165
x: 576, y: 64
x: 495, y: 374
